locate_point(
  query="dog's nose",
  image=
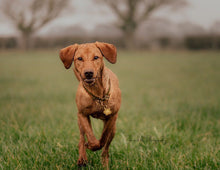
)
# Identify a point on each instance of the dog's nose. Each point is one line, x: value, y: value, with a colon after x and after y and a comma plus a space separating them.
x: 88, y: 74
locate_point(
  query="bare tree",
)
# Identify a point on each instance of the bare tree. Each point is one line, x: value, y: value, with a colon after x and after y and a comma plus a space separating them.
x: 131, y: 13
x: 215, y: 28
x: 28, y: 16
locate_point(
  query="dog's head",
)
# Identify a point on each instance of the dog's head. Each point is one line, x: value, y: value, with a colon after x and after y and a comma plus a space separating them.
x: 88, y: 59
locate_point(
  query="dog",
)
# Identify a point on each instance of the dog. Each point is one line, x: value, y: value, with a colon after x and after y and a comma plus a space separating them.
x: 98, y: 94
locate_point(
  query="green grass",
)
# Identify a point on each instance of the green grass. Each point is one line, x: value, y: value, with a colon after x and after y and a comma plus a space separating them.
x: 169, y: 118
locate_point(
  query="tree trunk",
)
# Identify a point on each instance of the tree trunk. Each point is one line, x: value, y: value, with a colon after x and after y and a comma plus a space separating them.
x: 129, y: 39
x: 25, y: 40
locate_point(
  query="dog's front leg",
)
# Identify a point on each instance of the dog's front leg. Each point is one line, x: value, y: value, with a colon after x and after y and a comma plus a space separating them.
x: 82, y: 161
x: 107, y: 136
x: 85, y: 124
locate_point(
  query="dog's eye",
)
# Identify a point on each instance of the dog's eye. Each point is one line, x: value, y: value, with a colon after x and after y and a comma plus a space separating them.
x: 96, y: 57
x: 80, y: 58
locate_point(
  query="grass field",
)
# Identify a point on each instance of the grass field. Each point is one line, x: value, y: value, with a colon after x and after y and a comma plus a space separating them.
x: 169, y: 118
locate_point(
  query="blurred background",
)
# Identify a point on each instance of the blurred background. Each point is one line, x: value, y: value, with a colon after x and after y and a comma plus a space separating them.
x: 168, y: 67
x: 139, y: 24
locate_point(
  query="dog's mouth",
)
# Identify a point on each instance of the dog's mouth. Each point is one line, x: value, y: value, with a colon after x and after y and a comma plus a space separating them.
x: 89, y: 81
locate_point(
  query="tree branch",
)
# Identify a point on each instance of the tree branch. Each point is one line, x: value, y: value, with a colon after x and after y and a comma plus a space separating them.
x: 114, y: 6
x: 151, y: 6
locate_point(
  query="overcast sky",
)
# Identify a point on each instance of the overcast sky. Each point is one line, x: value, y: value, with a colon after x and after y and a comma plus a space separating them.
x: 87, y: 15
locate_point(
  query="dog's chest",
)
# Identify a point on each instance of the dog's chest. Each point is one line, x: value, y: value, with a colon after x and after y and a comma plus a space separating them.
x: 98, y: 109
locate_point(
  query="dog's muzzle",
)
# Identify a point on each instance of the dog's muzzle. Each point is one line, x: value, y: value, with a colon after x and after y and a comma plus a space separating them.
x: 89, y: 77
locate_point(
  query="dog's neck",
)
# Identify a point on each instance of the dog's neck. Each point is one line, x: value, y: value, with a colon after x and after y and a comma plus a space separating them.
x: 101, y: 85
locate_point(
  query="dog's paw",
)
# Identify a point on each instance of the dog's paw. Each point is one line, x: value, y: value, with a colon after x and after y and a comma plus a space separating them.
x: 82, y: 162
x: 94, y: 146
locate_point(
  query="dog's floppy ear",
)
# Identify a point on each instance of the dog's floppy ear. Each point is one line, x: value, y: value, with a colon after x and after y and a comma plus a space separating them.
x: 108, y: 51
x: 67, y: 55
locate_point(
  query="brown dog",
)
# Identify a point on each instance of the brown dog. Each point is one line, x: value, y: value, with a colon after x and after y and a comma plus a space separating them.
x: 98, y: 94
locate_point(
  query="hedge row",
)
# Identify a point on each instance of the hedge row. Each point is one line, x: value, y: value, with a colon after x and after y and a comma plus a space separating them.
x: 9, y: 42
x: 190, y: 42
x: 202, y: 42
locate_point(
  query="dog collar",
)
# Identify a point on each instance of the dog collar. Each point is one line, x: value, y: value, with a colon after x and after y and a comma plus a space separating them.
x: 106, y: 96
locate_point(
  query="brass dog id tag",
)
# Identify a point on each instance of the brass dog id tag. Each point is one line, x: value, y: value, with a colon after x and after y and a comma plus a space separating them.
x: 107, y: 111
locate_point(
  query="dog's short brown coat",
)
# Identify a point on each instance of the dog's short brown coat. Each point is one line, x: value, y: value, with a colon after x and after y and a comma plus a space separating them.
x: 89, y: 58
